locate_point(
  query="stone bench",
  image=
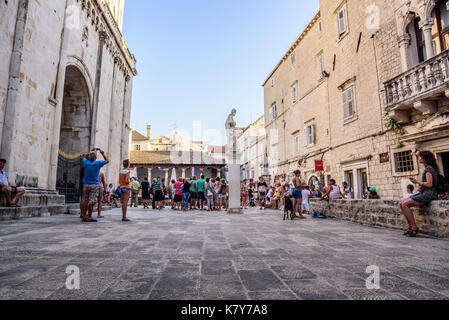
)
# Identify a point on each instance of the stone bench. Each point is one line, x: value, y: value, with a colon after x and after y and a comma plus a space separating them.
x: 433, y: 221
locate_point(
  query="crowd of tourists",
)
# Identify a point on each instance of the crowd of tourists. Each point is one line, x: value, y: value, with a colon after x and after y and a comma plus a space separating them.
x: 185, y: 194
x: 212, y: 194
x: 291, y: 196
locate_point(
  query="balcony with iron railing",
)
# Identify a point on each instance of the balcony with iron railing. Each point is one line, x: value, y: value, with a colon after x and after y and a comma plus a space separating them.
x: 421, y: 88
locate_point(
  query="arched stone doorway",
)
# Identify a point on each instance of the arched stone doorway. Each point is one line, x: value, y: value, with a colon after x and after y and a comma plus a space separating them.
x: 74, y: 134
x: 314, y: 181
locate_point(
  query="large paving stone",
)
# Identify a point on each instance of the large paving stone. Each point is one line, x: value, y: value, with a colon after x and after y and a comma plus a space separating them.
x: 261, y: 280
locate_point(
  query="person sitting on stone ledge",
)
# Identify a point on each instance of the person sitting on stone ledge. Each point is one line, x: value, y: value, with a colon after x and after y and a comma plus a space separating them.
x: 9, y: 190
x: 333, y: 192
x: 373, y: 195
x: 427, y: 191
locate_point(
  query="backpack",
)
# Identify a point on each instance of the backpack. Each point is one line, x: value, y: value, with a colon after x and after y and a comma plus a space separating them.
x: 442, y: 185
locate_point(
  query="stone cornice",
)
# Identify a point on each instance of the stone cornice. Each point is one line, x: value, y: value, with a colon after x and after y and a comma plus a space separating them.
x: 100, y: 15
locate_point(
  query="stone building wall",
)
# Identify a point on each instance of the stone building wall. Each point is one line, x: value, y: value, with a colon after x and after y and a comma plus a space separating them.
x: 310, y: 104
x: 365, y: 57
x: 7, y: 27
x: 251, y: 145
x: 57, y: 38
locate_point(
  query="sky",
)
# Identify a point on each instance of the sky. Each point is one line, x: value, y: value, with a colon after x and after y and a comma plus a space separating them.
x: 199, y: 59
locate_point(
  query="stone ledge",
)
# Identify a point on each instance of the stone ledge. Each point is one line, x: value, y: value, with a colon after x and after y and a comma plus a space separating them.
x: 433, y: 221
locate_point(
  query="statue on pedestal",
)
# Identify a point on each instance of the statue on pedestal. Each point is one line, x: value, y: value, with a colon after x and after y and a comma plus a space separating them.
x: 232, y: 139
x: 230, y: 123
x: 233, y: 165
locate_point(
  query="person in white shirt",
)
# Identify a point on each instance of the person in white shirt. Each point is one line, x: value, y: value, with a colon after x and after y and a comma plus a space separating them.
x: 12, y: 193
x: 348, y: 191
x: 306, y: 195
x: 410, y: 191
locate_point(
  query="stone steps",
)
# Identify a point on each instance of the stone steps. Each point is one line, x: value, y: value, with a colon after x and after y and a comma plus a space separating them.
x: 37, y: 198
x: 34, y: 211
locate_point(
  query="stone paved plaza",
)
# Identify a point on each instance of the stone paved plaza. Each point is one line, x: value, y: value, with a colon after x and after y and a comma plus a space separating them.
x: 167, y: 255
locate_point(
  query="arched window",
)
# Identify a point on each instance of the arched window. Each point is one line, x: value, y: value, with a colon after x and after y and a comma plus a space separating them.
x: 440, y: 29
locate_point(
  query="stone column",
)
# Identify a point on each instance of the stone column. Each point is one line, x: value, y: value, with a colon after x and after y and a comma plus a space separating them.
x: 9, y: 121
x: 427, y: 30
x: 166, y: 176
x: 404, y: 49
x: 112, y: 115
x: 93, y: 133
x: 59, y: 97
x: 183, y: 173
x: 150, y: 173
x: 233, y: 175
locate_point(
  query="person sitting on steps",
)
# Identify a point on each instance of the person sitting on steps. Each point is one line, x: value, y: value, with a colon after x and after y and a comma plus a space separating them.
x: 12, y: 193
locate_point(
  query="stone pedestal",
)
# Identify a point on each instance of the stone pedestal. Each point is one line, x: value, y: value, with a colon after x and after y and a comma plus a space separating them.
x: 234, y: 189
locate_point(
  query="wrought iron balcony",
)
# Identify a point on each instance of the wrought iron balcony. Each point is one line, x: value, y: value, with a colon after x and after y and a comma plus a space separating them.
x: 421, y: 88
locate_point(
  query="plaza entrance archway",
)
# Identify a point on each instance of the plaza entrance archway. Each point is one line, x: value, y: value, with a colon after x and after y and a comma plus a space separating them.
x: 74, y: 134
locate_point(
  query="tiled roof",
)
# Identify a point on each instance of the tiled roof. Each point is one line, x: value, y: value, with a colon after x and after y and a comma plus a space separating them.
x: 161, y: 158
x: 138, y: 136
x: 217, y: 149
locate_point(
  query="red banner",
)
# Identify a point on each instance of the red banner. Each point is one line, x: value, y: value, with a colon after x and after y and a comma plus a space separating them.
x: 319, y: 165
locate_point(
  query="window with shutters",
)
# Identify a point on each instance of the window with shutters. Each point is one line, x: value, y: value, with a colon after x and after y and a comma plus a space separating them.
x: 273, y: 112
x: 272, y: 82
x: 295, y: 92
x: 342, y: 21
x: 322, y: 66
x: 296, y: 145
x: 309, y: 135
x: 349, y: 103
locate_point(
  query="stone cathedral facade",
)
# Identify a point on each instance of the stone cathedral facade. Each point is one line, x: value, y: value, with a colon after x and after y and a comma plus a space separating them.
x: 66, y: 79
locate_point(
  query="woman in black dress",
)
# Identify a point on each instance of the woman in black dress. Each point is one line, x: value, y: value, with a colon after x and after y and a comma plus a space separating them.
x: 427, y: 191
x: 145, y: 185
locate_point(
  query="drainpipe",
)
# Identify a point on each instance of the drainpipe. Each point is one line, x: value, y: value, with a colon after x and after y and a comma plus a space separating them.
x: 93, y: 132
x: 9, y: 121
x: 59, y: 96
